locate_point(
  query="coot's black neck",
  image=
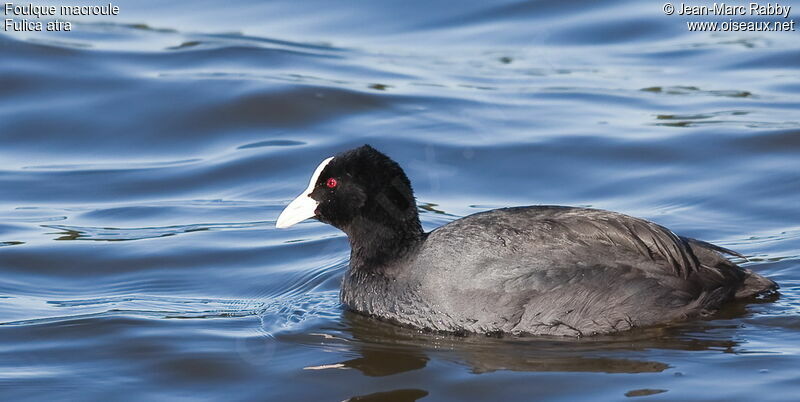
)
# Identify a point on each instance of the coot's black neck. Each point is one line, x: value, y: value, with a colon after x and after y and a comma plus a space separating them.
x: 375, y: 245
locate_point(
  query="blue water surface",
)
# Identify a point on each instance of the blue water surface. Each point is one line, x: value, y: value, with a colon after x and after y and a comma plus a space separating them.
x: 145, y: 157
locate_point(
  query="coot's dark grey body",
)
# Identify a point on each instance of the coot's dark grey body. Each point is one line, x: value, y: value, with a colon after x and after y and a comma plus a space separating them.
x: 564, y: 271
x: 526, y: 270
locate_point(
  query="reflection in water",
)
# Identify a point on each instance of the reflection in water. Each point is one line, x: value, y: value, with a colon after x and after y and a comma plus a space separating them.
x: 406, y: 350
x: 398, y: 395
x: 432, y: 207
x: 124, y: 234
x: 11, y: 243
x: 386, y: 349
x: 272, y: 143
x: 380, y: 362
x: 690, y: 90
x: 644, y: 392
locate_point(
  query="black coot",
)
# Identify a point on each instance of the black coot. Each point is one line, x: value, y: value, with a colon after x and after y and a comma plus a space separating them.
x: 526, y: 270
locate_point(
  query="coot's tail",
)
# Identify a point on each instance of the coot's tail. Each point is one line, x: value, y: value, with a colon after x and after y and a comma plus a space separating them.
x: 754, y: 284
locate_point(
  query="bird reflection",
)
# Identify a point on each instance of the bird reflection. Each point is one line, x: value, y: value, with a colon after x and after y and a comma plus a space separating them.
x: 398, y: 395
x: 384, y: 349
x: 387, y: 349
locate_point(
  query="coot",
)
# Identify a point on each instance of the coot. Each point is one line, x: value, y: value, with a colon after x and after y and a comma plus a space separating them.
x: 536, y: 270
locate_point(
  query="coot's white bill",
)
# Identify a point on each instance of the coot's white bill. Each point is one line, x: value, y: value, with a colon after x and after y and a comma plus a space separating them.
x: 302, y: 207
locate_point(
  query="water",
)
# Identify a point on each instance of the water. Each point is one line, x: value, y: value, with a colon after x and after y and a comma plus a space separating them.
x: 146, y: 156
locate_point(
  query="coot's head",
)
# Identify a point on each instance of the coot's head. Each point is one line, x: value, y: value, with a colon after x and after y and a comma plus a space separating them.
x: 360, y: 190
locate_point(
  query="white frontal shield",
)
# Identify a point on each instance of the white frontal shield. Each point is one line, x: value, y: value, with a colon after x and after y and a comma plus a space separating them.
x: 302, y: 207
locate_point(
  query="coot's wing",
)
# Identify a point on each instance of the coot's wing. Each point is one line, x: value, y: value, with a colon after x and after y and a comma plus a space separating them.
x: 559, y: 270
x: 597, y: 229
x: 567, y: 236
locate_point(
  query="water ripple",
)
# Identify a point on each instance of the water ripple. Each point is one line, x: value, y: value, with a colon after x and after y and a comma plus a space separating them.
x: 170, y: 138
x: 124, y: 234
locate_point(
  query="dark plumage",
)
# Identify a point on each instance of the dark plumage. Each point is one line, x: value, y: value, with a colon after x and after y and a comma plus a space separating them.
x: 525, y: 270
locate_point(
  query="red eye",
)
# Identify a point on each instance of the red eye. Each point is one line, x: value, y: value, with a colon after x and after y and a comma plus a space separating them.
x: 331, y: 183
